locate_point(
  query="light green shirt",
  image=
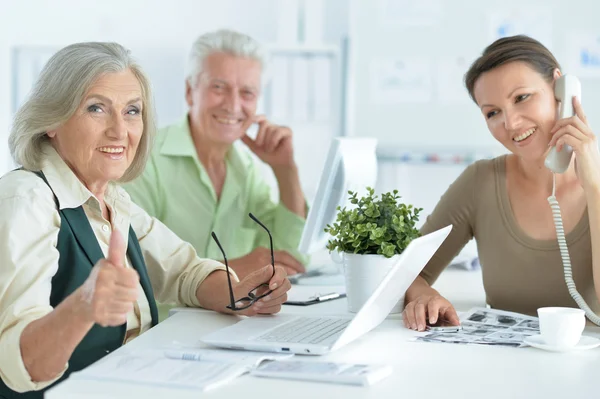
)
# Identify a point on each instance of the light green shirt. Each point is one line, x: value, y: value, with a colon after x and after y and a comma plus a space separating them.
x: 176, y: 189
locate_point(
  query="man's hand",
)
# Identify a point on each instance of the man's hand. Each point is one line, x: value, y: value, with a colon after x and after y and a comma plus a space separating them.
x: 260, y: 257
x: 273, y: 144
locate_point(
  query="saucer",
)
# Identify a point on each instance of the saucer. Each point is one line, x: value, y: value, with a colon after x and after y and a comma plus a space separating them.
x: 584, y: 343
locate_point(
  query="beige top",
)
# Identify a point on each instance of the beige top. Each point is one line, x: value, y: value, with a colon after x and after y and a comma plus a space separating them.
x: 29, y: 226
x: 520, y: 274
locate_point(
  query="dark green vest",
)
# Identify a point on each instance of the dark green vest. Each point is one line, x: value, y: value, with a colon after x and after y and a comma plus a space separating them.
x: 79, y: 252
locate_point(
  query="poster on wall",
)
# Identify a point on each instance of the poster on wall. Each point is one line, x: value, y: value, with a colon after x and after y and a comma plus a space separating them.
x: 400, y: 80
x: 583, y: 54
x: 535, y: 22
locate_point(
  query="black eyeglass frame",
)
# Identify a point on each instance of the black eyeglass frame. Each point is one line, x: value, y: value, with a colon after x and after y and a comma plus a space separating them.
x: 253, y: 294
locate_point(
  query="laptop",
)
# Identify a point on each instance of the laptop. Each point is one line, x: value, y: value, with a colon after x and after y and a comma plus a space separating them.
x: 318, y: 335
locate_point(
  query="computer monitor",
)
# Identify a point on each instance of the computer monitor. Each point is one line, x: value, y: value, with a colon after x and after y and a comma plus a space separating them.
x: 351, y: 164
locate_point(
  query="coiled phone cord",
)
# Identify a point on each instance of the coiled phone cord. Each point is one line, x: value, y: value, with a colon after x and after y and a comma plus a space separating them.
x: 564, y: 253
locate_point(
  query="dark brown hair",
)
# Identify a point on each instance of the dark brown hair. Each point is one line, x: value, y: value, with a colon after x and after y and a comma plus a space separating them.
x: 509, y: 49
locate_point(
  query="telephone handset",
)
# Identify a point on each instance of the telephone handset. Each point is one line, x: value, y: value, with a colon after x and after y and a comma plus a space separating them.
x: 566, y: 87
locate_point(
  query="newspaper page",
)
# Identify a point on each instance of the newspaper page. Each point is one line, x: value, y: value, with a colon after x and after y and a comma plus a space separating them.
x: 484, y: 326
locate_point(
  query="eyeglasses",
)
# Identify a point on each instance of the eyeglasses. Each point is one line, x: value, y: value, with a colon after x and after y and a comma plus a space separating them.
x: 253, y: 295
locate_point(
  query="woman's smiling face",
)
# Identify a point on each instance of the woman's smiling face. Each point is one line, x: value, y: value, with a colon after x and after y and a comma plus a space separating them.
x: 519, y: 107
x: 100, y: 140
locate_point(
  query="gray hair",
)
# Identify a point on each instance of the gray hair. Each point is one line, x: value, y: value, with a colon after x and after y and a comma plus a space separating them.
x: 59, y: 91
x: 223, y: 41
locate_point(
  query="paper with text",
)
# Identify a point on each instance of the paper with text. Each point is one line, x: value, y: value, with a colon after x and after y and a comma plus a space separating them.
x: 162, y: 371
x: 489, y: 327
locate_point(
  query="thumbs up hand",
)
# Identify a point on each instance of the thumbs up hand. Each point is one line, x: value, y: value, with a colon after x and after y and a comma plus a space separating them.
x: 116, y: 249
x: 111, y: 289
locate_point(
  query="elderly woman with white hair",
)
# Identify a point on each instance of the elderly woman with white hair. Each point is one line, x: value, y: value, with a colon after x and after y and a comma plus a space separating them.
x: 80, y: 264
x: 209, y: 151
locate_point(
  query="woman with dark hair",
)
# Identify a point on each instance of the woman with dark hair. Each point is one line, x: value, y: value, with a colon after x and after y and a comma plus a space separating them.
x: 503, y: 203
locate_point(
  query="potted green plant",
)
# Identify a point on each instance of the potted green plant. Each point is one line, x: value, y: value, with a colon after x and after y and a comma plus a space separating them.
x: 369, y: 236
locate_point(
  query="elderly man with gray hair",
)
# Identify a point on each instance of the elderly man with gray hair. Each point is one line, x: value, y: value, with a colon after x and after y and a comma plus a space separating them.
x: 201, y: 178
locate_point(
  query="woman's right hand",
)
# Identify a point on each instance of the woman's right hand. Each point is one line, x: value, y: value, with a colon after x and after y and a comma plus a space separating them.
x: 111, y: 289
x: 432, y: 306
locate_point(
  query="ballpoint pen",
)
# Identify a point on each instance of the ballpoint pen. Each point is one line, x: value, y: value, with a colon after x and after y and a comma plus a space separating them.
x: 184, y: 355
x: 326, y: 297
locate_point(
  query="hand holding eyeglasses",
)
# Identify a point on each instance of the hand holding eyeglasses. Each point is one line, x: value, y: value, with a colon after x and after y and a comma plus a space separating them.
x: 260, y: 292
x: 263, y: 281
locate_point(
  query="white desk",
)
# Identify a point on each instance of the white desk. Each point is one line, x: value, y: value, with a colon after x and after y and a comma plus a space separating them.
x: 420, y: 369
x: 463, y: 288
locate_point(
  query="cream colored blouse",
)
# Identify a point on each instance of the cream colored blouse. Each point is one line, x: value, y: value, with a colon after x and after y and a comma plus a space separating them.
x: 29, y: 226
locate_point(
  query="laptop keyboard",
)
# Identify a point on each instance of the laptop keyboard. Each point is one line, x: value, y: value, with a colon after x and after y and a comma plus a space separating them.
x: 306, y: 330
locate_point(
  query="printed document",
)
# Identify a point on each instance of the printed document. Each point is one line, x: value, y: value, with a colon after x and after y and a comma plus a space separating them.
x: 489, y: 327
x: 199, y: 369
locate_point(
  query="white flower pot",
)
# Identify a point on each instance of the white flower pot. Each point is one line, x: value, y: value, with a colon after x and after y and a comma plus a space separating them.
x: 363, y: 274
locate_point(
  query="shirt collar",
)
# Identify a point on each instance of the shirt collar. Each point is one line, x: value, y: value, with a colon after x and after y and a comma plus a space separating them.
x: 69, y: 190
x: 178, y: 140
x: 239, y: 159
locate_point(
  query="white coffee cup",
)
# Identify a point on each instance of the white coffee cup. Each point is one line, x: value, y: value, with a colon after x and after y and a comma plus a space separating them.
x: 561, y: 327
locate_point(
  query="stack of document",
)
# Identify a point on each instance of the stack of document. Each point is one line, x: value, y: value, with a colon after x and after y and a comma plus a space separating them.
x: 197, y: 369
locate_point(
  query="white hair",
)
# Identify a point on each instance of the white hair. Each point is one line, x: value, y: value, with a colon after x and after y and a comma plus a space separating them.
x: 223, y: 41
x: 59, y: 91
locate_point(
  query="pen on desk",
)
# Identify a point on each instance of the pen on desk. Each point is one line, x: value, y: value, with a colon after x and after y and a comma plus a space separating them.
x: 327, y: 297
x: 180, y: 355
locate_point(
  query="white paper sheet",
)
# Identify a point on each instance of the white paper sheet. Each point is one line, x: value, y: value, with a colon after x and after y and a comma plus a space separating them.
x: 231, y: 356
x: 178, y: 366
x: 160, y: 370
x: 483, y: 326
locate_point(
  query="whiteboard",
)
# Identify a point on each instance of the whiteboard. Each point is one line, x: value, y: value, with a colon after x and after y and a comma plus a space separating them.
x: 431, y: 43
